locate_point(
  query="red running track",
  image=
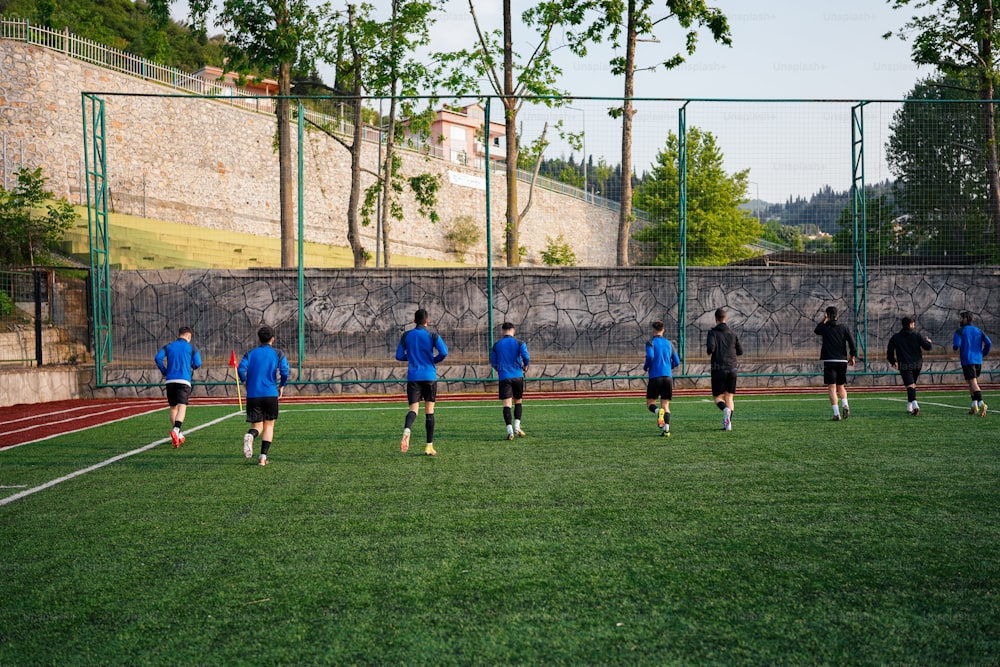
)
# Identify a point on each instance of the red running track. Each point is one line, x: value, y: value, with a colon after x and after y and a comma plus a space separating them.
x: 30, y: 422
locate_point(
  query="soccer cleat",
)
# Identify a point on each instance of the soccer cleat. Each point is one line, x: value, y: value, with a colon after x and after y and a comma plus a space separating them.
x: 510, y: 436
x: 519, y: 433
x: 728, y: 425
x: 175, y: 437
x: 248, y: 445
x: 846, y: 412
x: 982, y: 413
x: 429, y: 450
x: 974, y: 410
x: 665, y: 433
x: 836, y: 418
x: 404, y: 444
x: 661, y: 417
x: 263, y: 460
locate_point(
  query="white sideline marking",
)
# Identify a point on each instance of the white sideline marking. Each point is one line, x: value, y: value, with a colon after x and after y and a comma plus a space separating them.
x: 15, y: 486
x: 56, y: 435
x: 113, y: 459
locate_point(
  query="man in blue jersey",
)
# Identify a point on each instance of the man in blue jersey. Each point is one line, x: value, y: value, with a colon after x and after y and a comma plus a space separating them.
x: 176, y: 361
x: 837, y: 352
x: 422, y: 351
x: 660, y: 361
x: 509, y: 357
x: 264, y: 370
x: 972, y: 345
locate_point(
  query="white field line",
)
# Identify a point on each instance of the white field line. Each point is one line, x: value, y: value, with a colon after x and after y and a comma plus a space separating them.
x: 56, y: 435
x: 119, y: 406
x: 113, y: 459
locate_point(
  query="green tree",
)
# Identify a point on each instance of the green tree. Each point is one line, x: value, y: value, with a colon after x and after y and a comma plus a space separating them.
x: 31, y: 224
x: 626, y: 23
x: 962, y: 39
x: 888, y: 233
x: 719, y: 226
x: 937, y: 153
x: 513, y: 79
x: 270, y: 35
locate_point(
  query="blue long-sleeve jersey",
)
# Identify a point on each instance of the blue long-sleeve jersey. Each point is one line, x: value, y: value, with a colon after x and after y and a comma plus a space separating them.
x: 417, y: 348
x: 972, y: 344
x: 509, y: 356
x: 177, y: 360
x: 660, y: 357
x: 263, y: 369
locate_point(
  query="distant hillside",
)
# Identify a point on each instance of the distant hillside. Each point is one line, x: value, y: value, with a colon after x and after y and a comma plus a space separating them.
x: 820, y: 211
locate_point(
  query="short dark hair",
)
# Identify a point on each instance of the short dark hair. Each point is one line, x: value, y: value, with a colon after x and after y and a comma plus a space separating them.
x: 265, y: 334
x: 420, y: 317
x: 658, y: 326
x: 185, y: 330
x: 907, y: 321
x: 720, y: 314
x: 965, y: 316
x: 831, y: 312
x: 507, y: 326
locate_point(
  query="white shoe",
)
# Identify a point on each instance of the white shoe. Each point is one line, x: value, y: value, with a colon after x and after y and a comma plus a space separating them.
x: 248, y: 445
x: 263, y: 460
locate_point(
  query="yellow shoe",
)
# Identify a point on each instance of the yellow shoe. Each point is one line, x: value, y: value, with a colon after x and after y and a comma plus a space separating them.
x: 661, y: 417
x: 510, y: 436
x: 982, y: 413
x: 974, y: 410
x: 519, y: 433
x: 429, y: 450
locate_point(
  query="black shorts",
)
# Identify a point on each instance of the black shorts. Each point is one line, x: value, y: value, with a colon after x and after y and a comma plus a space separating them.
x: 660, y: 387
x: 425, y: 390
x: 512, y: 388
x: 835, y: 372
x: 972, y: 371
x: 724, y: 382
x: 263, y: 409
x: 909, y: 375
x: 178, y: 393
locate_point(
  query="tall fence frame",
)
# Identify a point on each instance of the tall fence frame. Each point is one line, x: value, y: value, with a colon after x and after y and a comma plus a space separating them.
x: 94, y: 138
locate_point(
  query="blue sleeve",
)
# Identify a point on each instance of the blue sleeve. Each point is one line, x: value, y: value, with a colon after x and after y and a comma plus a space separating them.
x: 241, y: 370
x: 400, y: 350
x: 649, y: 357
x: 987, y: 344
x: 160, y: 356
x: 493, y: 357
x: 524, y: 354
x: 283, y: 371
x: 196, y: 359
x: 956, y: 340
x: 442, y: 350
x: 675, y: 361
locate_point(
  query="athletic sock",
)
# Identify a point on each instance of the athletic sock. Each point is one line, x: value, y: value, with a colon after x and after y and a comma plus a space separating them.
x: 506, y: 416
x: 411, y: 417
x: 721, y: 405
x: 977, y: 397
x: 666, y: 418
x: 517, y: 424
x: 429, y: 424
x: 911, y: 394
x: 177, y: 425
x: 253, y: 433
x: 836, y: 410
x: 518, y: 411
x: 265, y: 445
x: 652, y: 407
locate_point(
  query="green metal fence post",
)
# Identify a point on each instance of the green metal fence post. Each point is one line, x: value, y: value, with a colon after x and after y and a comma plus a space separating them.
x: 682, y: 235
x: 96, y: 176
x: 860, y: 219
x: 301, y: 243
x: 489, y: 231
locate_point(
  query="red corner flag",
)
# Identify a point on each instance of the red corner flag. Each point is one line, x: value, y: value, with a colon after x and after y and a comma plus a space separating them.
x: 232, y: 358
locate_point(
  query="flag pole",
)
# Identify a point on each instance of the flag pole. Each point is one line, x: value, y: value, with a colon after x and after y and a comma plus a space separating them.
x: 232, y: 362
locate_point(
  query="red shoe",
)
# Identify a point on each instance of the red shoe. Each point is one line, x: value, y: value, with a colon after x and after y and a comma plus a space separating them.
x: 176, y: 438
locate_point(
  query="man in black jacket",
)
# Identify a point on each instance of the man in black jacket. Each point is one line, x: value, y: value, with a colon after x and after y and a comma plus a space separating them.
x: 724, y: 346
x: 905, y: 352
x: 838, y: 352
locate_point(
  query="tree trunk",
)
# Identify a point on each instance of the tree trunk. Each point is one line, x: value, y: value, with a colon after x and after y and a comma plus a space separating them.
x: 387, y: 176
x: 353, y: 231
x: 625, y: 212
x: 989, y: 118
x: 510, y: 125
x: 285, y: 190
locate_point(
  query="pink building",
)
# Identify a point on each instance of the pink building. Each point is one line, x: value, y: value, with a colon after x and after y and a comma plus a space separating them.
x: 457, y: 136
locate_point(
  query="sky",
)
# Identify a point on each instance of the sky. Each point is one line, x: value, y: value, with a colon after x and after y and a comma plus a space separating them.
x: 781, y: 50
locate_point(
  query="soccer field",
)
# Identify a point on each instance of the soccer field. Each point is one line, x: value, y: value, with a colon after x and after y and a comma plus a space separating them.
x: 789, y: 540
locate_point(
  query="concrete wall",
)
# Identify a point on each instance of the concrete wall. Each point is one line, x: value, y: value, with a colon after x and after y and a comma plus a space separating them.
x: 589, y: 322
x: 204, y: 163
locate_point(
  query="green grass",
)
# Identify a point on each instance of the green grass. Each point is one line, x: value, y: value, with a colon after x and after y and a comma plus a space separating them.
x: 790, y: 540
